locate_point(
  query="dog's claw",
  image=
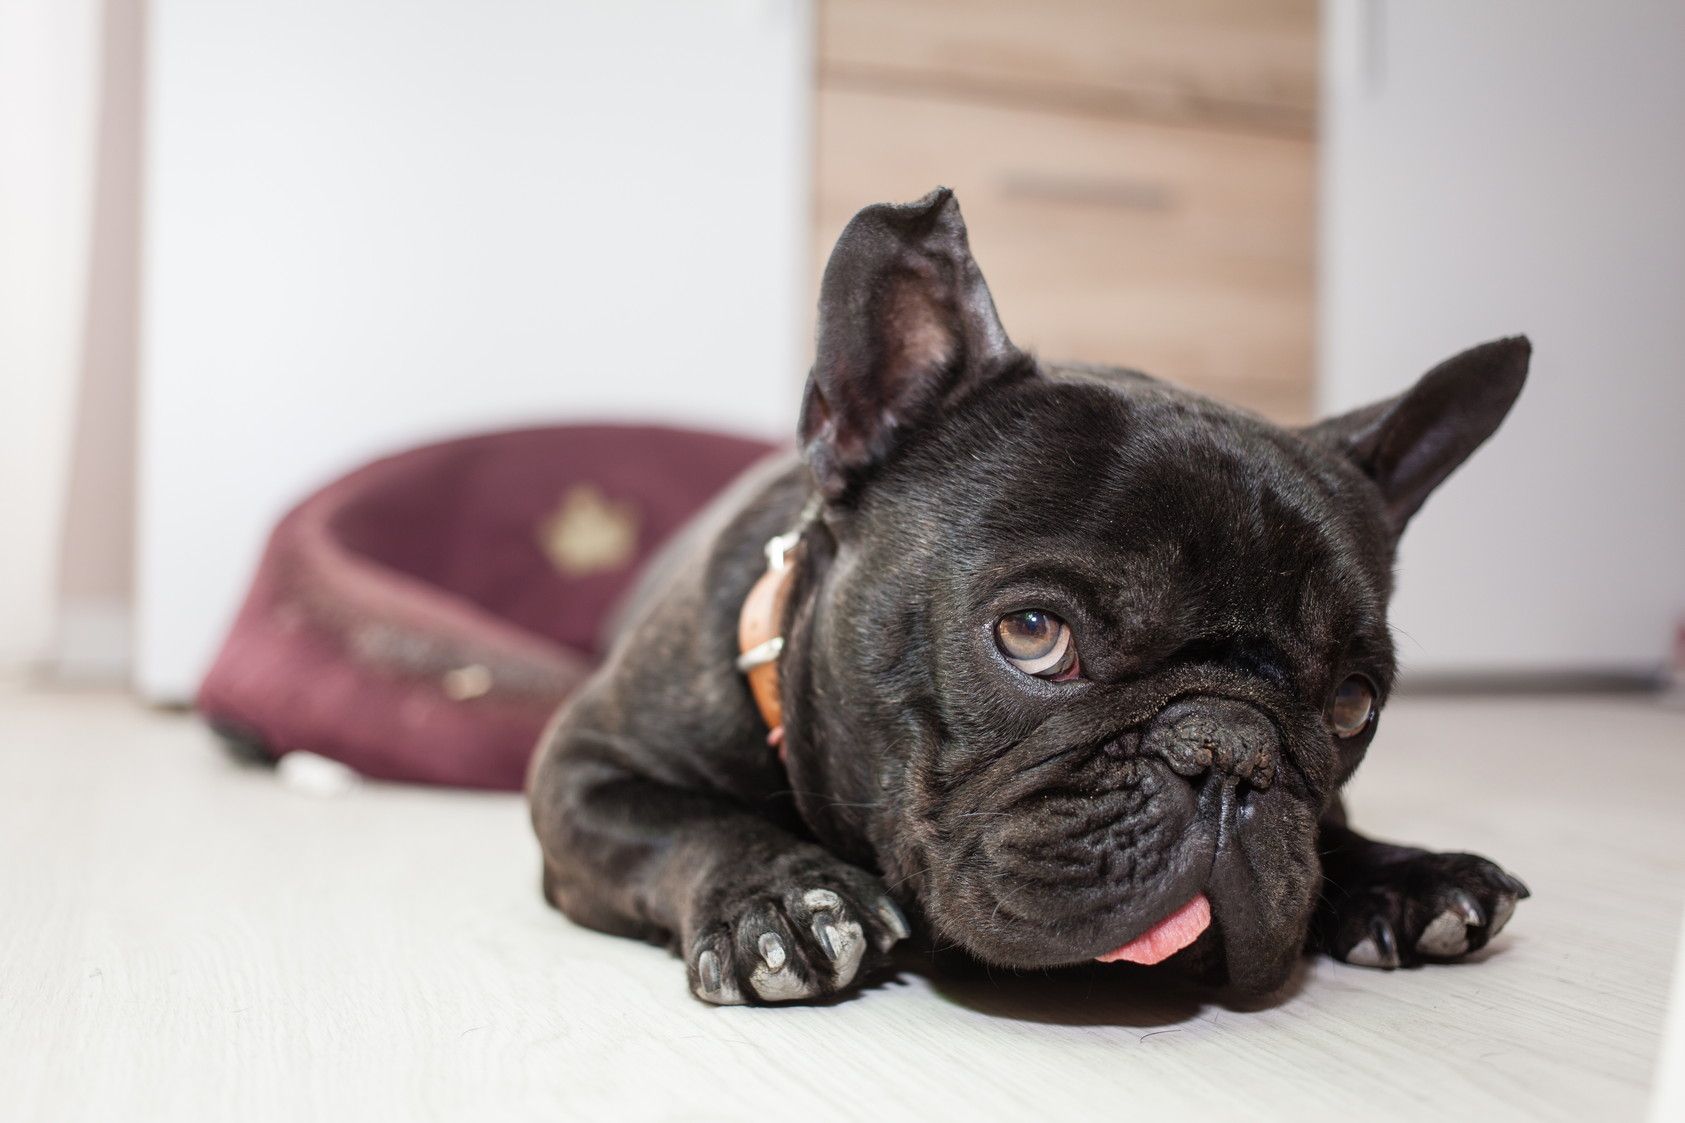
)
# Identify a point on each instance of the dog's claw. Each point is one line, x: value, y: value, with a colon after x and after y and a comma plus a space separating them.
x: 1467, y: 907
x: 1378, y: 949
x: 713, y: 985
x: 894, y: 919
x: 895, y: 923
x: 826, y: 933
x: 708, y: 970
x: 1387, y: 940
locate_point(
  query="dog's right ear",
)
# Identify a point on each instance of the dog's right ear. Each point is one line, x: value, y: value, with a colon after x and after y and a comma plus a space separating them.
x: 906, y: 328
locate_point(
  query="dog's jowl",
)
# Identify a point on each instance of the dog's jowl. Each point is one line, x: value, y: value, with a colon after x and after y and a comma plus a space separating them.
x: 1047, y: 663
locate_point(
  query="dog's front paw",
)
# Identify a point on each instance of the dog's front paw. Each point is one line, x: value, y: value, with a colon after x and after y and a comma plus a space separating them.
x: 800, y: 931
x: 1424, y: 908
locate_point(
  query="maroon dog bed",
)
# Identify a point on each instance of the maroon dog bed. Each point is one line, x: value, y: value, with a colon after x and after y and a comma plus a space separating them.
x: 421, y: 618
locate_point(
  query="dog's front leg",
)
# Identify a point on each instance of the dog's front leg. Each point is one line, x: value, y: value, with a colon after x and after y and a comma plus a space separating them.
x: 1388, y: 906
x: 758, y: 914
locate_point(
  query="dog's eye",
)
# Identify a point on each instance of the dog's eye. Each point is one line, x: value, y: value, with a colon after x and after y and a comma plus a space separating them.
x: 1037, y: 643
x: 1352, y: 709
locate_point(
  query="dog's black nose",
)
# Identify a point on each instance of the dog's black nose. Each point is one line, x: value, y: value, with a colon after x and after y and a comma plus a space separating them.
x: 1210, y: 734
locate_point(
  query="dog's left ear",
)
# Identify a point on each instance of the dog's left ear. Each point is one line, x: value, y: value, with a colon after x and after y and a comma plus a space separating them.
x: 906, y: 328
x: 1409, y: 444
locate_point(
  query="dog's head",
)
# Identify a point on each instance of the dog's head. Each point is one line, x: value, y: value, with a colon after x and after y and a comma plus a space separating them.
x: 1080, y: 648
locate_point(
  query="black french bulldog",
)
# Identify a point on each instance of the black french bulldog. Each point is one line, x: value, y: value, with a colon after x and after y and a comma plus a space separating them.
x: 1075, y: 664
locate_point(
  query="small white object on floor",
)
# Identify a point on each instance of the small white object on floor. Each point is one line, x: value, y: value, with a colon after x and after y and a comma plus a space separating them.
x: 310, y: 774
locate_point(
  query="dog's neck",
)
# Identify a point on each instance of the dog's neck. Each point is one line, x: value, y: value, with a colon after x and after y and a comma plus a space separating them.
x: 760, y: 623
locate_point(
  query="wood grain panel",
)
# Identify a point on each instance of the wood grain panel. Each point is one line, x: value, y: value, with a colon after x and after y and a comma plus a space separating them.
x: 1185, y: 252
x: 1242, y: 63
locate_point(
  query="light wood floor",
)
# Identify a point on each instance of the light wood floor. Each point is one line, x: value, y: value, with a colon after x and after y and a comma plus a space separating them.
x: 184, y: 938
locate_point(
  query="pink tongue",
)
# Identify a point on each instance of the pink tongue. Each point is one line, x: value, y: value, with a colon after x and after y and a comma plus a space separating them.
x: 1167, y: 937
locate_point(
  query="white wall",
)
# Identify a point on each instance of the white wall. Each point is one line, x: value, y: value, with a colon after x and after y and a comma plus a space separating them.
x: 373, y: 222
x: 96, y: 545
x: 49, y: 50
x: 1519, y: 166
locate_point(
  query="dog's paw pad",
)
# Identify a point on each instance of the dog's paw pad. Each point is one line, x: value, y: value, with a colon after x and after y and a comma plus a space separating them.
x: 821, y: 899
x: 773, y: 955
x: 1501, y: 912
x: 1447, y: 935
x: 775, y: 978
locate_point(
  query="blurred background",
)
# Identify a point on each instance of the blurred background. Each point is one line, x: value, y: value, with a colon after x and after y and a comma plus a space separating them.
x: 245, y: 246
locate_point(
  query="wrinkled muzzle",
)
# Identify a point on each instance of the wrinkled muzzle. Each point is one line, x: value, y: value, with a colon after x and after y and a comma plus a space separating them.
x: 1102, y: 856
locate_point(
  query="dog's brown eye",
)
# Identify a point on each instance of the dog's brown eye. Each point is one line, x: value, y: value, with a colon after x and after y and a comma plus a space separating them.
x: 1036, y: 642
x: 1352, y: 708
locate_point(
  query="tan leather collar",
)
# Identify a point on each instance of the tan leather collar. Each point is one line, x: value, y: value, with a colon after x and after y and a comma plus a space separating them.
x: 759, y: 642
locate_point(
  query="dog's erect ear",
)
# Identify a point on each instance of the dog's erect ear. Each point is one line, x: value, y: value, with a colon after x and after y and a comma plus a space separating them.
x: 1409, y: 444
x: 906, y: 327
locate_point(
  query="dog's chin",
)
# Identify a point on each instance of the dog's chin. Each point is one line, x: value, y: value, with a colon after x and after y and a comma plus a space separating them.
x: 1211, y: 940
x: 1148, y: 926
x: 1245, y: 966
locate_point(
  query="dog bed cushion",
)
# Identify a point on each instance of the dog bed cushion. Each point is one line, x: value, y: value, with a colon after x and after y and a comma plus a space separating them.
x: 421, y: 618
